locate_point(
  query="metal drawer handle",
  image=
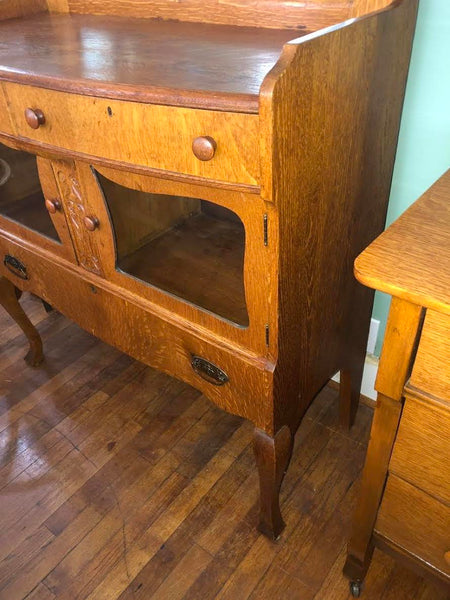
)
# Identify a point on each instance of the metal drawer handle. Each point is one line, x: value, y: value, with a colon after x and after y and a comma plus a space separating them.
x: 16, y: 267
x: 209, y: 371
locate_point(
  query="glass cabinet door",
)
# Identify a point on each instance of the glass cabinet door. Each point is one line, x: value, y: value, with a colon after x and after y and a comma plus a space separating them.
x: 21, y: 195
x: 23, y: 210
x: 190, y: 248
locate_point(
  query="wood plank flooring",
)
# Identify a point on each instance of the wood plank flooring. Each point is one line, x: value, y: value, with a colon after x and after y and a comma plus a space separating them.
x: 118, y: 482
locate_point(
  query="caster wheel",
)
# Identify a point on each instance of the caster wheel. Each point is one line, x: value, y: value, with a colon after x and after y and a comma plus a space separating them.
x: 355, y: 589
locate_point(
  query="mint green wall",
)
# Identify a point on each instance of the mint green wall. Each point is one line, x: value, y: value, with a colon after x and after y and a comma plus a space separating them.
x: 424, y: 146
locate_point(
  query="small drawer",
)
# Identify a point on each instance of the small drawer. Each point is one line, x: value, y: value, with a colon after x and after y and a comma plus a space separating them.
x: 416, y: 522
x: 421, y: 451
x: 215, y: 145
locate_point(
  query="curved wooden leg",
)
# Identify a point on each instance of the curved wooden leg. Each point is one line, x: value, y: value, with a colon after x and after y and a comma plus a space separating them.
x: 9, y: 299
x: 272, y: 458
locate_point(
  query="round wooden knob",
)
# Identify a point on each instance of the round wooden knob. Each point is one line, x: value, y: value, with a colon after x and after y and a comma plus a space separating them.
x: 204, y: 147
x: 91, y: 223
x: 34, y: 117
x: 447, y: 557
x: 52, y: 205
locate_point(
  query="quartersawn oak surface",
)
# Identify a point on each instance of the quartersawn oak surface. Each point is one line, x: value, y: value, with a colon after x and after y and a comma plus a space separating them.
x: 416, y: 239
x: 120, y: 482
x: 135, y: 58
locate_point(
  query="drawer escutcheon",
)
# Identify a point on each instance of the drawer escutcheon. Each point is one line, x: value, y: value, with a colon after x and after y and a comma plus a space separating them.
x: 209, y: 371
x: 16, y: 267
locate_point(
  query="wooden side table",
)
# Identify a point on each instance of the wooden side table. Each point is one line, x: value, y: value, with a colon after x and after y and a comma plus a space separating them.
x: 404, y: 506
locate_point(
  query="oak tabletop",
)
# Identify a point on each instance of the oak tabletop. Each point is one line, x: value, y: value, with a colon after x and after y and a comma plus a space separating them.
x: 411, y: 259
x: 218, y: 66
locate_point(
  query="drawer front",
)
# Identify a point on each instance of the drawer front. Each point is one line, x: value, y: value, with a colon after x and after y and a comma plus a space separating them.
x: 159, y: 137
x: 431, y: 371
x: 232, y: 380
x: 422, y: 448
x: 416, y: 522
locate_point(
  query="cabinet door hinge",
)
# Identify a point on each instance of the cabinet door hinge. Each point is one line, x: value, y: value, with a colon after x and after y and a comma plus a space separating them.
x: 266, y: 231
x: 267, y: 335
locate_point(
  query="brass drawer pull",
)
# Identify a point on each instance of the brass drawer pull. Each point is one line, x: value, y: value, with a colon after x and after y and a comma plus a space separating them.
x: 34, y: 117
x: 204, y: 147
x: 209, y: 371
x: 16, y: 267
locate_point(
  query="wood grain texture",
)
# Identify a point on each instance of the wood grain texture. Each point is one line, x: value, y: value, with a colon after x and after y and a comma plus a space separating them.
x: 77, y: 207
x: 382, y: 437
x: 421, y: 447
x: 162, y: 140
x: 264, y: 13
x: 415, y: 521
x: 362, y: 7
x: 431, y: 372
x: 52, y: 152
x: 6, y: 125
x: 400, y: 344
x: 396, y: 261
x: 11, y: 9
x: 58, y: 6
x: 344, y: 119
x: 220, y: 67
x: 272, y: 459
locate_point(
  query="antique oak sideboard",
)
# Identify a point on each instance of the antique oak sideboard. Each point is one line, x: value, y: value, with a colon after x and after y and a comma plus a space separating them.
x: 192, y: 181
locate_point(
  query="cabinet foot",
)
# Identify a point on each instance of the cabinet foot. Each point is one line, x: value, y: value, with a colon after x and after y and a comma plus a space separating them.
x: 9, y: 299
x: 272, y: 458
x: 349, y: 394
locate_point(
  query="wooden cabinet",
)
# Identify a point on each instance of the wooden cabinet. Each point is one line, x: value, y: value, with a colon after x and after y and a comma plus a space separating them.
x: 208, y: 174
x: 405, y: 500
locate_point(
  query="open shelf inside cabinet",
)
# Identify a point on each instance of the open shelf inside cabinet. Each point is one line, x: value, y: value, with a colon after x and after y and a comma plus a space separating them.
x: 187, y: 247
x: 21, y: 196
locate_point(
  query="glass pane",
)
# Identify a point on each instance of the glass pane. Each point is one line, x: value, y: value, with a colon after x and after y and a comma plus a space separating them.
x: 188, y: 247
x: 21, y: 197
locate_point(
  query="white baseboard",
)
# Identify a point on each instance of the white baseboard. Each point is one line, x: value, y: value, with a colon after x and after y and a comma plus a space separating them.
x: 369, y: 376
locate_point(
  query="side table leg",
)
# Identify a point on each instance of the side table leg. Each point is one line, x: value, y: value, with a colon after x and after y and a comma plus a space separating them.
x: 382, y: 437
x: 9, y: 299
x: 272, y: 458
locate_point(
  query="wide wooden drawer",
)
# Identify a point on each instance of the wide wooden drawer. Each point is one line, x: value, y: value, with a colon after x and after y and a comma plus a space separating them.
x: 159, y: 137
x: 421, y: 452
x: 415, y: 522
x: 129, y: 324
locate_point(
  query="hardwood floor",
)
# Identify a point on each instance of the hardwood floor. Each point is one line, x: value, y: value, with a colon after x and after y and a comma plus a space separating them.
x: 118, y: 482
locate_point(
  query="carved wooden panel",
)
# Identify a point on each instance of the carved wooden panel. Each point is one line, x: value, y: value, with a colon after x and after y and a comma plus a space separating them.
x: 76, y: 209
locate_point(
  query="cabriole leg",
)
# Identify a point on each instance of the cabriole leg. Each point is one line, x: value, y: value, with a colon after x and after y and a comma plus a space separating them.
x: 9, y: 299
x: 272, y: 459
